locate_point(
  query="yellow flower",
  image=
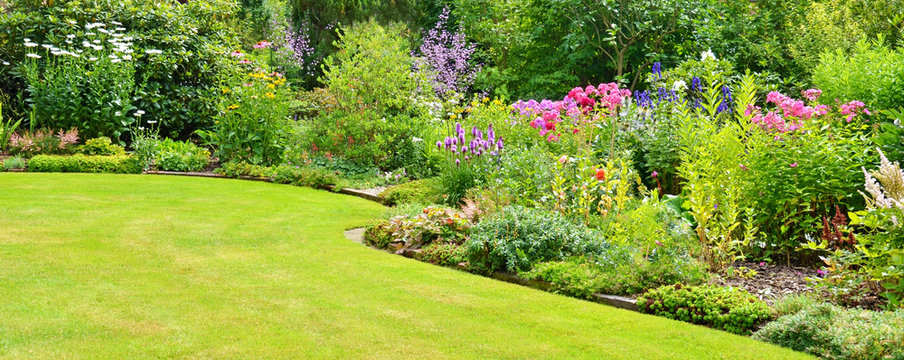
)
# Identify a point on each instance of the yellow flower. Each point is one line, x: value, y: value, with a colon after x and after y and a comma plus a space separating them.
x: 497, y: 102
x: 233, y: 107
x: 269, y: 95
x: 486, y: 99
x: 226, y: 90
x: 864, y: 127
x: 271, y: 86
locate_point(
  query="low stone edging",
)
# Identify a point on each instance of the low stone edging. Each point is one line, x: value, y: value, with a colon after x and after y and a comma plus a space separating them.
x: 357, y: 235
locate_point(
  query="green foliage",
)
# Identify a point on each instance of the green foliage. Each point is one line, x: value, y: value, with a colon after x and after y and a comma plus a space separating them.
x: 381, y: 104
x: 730, y: 309
x: 304, y: 176
x: 13, y: 163
x: 240, y: 169
x: 426, y: 191
x: 7, y: 128
x: 872, y: 73
x: 832, y: 332
x: 582, y: 277
x: 95, y: 96
x: 178, y: 86
x: 754, y: 34
x: 101, y: 146
x: 173, y: 155
x: 443, y: 254
x: 517, y: 238
x: 118, y: 164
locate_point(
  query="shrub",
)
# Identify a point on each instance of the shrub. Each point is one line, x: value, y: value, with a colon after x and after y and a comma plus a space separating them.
x: 253, y: 123
x: 443, y: 254
x: 304, y: 176
x: 13, y: 163
x: 582, y: 277
x: 432, y: 225
x: 90, y: 88
x: 832, y: 332
x: 172, y: 155
x: 730, y: 309
x: 119, y: 164
x: 379, y: 235
x: 239, y: 169
x: 189, y: 48
x: 872, y: 73
x: 43, y: 142
x: 517, y: 238
x: 101, y: 146
x: 380, y: 102
x: 425, y: 191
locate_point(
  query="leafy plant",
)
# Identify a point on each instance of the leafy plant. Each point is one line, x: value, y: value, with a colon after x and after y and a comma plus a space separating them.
x: 13, y: 163
x: 119, y: 164
x: 873, y: 73
x: 172, y: 155
x: 517, y: 238
x: 43, y: 142
x: 7, y: 128
x: 833, y: 332
x: 418, y: 191
x: 730, y: 309
x: 101, y: 146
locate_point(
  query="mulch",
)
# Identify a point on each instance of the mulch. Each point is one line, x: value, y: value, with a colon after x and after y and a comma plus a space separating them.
x: 769, y: 282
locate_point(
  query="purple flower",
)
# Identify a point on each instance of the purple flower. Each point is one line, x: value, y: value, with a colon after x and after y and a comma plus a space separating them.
x: 822, y: 272
x: 655, y: 174
x: 439, y: 144
x: 657, y: 70
x: 762, y: 264
x: 447, y: 54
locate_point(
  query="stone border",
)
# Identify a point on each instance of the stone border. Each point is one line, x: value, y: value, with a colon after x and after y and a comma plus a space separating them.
x: 357, y: 235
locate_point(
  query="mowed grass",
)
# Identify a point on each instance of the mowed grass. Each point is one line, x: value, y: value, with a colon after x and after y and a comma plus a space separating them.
x: 116, y: 266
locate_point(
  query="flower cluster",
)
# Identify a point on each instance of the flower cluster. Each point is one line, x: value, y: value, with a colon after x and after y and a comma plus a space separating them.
x: 796, y: 108
x: 853, y: 109
x: 448, y: 54
x: 811, y: 94
x: 96, y: 38
x: 577, y: 106
x: 480, y: 144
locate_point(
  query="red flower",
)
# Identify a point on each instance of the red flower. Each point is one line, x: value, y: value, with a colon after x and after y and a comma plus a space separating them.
x: 600, y: 174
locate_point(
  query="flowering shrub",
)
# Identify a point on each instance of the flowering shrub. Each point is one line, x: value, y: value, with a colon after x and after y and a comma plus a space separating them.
x: 253, y: 120
x: 86, y: 81
x: 469, y: 158
x: 43, y: 142
x: 446, y: 54
x: 580, y: 107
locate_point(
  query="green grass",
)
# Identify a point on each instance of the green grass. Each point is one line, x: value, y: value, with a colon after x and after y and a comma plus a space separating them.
x: 121, y: 266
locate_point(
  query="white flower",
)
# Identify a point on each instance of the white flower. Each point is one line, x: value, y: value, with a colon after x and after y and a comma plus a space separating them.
x: 72, y: 22
x: 139, y: 112
x: 679, y: 85
x: 117, y: 23
x: 92, y: 58
x: 33, y: 56
x: 70, y: 36
x: 152, y: 122
x: 47, y: 46
x: 5, y: 63
x: 416, y: 139
x: 708, y: 54
x: 30, y: 44
x: 96, y: 41
x: 94, y: 25
x: 27, y: 40
x: 120, y: 29
x: 118, y: 113
x: 90, y: 34
x: 152, y: 51
x: 115, y: 61
x: 127, y: 57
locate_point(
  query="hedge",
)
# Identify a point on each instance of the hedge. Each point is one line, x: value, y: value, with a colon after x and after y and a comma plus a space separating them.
x: 119, y: 164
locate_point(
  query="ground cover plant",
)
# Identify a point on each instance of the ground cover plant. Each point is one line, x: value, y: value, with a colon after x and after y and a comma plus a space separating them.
x: 264, y: 268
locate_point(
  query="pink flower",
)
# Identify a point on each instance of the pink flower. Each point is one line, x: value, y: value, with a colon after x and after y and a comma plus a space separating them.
x: 811, y: 94
x: 655, y: 174
x: 237, y: 54
x: 793, y: 165
x: 262, y: 45
x: 245, y: 61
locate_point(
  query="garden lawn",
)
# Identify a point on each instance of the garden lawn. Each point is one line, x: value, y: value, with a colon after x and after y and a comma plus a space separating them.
x: 119, y: 266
